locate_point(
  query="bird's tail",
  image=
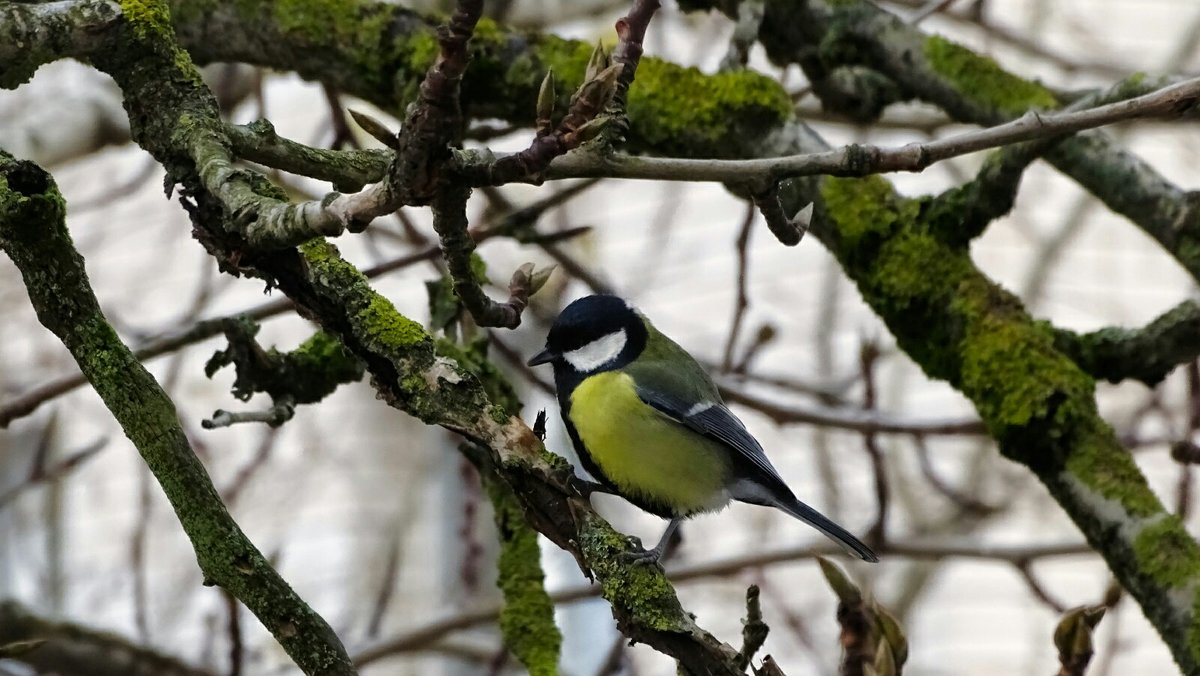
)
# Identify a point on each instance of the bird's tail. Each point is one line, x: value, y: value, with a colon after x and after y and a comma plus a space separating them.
x: 817, y: 520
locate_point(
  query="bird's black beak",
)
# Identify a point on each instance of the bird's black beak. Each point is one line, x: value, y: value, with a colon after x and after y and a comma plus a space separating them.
x: 543, y: 357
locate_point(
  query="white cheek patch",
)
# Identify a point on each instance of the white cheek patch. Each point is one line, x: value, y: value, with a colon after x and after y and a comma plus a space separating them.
x: 598, y: 352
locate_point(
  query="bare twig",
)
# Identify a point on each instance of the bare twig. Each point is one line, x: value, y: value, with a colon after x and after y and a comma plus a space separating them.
x: 743, y: 301
x: 1035, y: 585
x: 430, y: 633
x: 631, y: 33
x: 237, y: 652
x: 854, y: 419
x: 861, y: 160
x: 40, y: 473
x: 279, y: 412
x: 868, y: 355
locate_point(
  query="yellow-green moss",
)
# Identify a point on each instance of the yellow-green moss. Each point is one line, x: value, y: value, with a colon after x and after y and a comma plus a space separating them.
x: 387, y: 326
x: 1114, y: 476
x: 864, y: 207
x: 527, y: 618
x: 983, y: 81
x: 912, y: 265
x: 318, y: 20
x: 1009, y: 363
x: 643, y: 591
x: 1167, y: 553
x: 677, y: 109
x: 150, y: 19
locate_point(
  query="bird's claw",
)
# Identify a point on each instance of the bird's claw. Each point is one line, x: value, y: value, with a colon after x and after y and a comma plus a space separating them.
x: 641, y: 557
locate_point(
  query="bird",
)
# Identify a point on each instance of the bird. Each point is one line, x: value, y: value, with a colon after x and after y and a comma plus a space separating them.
x: 649, y: 424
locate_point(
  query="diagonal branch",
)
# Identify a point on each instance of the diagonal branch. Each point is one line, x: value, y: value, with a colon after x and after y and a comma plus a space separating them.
x: 34, y: 235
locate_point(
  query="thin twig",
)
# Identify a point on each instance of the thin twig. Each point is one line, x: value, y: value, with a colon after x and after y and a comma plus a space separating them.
x: 432, y: 632
x: 860, y: 160
x: 743, y: 301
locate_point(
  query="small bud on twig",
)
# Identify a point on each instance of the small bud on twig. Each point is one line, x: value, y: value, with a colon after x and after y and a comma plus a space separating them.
x: 598, y: 61
x: 378, y: 130
x: 847, y: 591
x: 545, y: 103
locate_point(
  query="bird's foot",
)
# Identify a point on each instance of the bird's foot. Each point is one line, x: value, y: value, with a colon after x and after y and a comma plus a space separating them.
x: 642, y: 557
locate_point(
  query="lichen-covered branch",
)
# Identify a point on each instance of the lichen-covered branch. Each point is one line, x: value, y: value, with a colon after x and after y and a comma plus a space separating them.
x: 1145, y: 354
x: 527, y: 617
x: 33, y: 234
x: 305, y: 375
x: 824, y: 36
x: 1037, y: 403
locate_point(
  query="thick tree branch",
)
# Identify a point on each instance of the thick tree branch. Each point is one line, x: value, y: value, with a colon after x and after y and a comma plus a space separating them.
x: 34, y: 235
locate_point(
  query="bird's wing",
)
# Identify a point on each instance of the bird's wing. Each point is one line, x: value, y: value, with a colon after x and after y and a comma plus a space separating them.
x: 714, y: 420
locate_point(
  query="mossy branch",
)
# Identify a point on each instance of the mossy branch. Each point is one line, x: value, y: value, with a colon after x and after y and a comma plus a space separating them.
x: 34, y: 235
x: 527, y: 617
x: 1145, y: 354
x: 1037, y: 403
x: 974, y: 88
x: 305, y: 375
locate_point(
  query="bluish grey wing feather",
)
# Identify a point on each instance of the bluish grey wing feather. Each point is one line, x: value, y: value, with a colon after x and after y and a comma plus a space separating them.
x: 717, y: 422
x: 762, y: 483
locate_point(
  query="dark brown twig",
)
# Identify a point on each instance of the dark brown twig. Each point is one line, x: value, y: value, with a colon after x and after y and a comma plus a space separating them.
x: 868, y: 356
x: 631, y: 32
x: 788, y: 231
x: 237, y: 652
x: 1035, y: 585
x: 743, y: 300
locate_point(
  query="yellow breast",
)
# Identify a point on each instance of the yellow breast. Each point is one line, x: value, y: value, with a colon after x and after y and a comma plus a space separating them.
x: 643, y: 452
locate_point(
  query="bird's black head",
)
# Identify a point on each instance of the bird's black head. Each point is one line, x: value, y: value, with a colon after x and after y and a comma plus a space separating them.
x: 594, y: 333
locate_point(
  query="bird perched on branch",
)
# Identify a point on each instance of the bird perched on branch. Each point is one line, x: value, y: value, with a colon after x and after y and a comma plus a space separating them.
x: 648, y: 423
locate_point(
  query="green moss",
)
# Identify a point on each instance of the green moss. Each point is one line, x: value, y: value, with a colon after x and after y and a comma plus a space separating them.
x: 1010, y: 365
x: 498, y: 414
x: 864, y: 208
x: 363, y: 29
x: 983, y: 81
x: 1114, y: 476
x: 643, y: 591
x: 320, y: 364
x: 527, y: 618
x: 677, y: 109
x: 962, y: 328
x: 1167, y: 553
x: 385, y: 325
x: 150, y: 19
x: 912, y: 266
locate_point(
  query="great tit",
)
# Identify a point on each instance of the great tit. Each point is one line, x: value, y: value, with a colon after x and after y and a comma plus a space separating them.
x: 648, y: 423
